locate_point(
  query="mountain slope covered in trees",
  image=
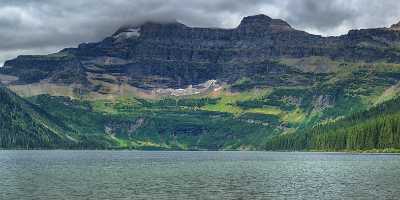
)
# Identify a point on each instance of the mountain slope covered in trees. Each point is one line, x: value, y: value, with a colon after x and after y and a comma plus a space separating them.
x: 24, y: 125
x: 376, y: 128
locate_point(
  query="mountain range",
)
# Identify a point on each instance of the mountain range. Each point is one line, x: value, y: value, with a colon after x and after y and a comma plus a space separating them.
x: 260, y: 86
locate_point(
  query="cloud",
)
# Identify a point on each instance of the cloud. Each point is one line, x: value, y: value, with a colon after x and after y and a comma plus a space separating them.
x: 337, y: 17
x: 40, y: 26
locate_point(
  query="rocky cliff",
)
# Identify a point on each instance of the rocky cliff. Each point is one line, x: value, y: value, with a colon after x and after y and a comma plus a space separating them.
x: 171, y: 55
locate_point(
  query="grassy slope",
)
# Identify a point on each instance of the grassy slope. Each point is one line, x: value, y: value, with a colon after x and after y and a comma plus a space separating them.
x: 166, y: 124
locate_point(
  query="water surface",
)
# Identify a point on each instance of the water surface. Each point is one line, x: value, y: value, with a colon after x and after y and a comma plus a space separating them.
x: 197, y: 175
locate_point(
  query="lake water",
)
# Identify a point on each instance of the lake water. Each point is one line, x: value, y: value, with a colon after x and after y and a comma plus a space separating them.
x: 197, y: 175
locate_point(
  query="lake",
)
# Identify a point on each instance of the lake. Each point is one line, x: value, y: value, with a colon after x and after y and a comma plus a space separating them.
x: 197, y: 175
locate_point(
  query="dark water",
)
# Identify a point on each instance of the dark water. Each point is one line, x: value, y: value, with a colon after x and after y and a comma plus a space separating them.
x: 196, y: 175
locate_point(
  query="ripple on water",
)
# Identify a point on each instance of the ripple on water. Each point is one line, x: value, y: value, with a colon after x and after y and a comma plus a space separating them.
x: 196, y: 175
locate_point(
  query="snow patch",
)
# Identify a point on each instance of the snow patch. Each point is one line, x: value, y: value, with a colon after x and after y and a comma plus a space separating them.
x: 209, y: 85
x: 128, y: 33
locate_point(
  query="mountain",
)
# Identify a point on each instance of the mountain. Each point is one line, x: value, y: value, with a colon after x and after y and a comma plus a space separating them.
x: 170, y: 86
x: 172, y: 55
x: 156, y: 56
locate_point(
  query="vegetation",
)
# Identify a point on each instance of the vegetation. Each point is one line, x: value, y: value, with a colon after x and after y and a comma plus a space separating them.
x: 377, y: 128
x: 163, y: 124
x: 23, y: 125
x: 351, y: 109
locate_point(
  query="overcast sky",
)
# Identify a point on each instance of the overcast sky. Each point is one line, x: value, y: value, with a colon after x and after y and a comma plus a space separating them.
x: 44, y: 26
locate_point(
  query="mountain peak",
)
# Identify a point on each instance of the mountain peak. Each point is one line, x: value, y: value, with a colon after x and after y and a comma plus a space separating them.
x: 261, y: 18
x: 261, y: 21
x: 130, y: 31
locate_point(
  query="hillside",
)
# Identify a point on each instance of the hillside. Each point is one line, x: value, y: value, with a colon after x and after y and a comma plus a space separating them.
x: 376, y: 128
x: 170, y: 86
x: 166, y: 124
x: 24, y: 125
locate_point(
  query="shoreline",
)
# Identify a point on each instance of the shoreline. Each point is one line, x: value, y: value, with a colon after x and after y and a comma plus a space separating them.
x: 372, y: 152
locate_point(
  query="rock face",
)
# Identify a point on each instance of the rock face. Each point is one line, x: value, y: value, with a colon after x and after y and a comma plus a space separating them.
x: 172, y: 55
